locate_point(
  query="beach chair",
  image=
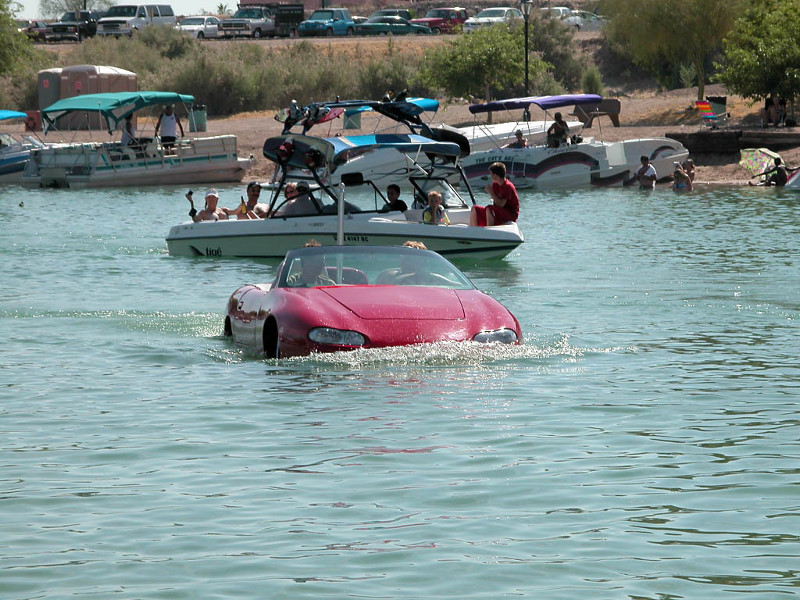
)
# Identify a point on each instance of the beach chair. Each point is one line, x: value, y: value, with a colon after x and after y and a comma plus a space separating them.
x: 711, y: 118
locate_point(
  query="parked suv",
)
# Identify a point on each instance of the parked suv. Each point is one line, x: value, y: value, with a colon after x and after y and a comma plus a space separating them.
x: 444, y: 20
x: 125, y: 19
x: 328, y: 22
x: 70, y: 28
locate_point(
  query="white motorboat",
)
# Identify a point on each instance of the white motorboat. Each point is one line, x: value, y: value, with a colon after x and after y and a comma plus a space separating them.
x: 364, y: 219
x: 582, y: 162
x: 146, y: 161
x: 384, y: 165
x: 14, y: 152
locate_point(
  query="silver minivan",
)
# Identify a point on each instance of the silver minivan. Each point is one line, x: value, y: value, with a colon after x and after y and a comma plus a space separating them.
x: 125, y: 19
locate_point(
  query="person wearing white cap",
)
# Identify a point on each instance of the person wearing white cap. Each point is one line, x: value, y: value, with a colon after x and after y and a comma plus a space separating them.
x: 211, y: 212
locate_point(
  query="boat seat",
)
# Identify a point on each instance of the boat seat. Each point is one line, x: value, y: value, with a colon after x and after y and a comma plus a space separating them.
x: 350, y: 276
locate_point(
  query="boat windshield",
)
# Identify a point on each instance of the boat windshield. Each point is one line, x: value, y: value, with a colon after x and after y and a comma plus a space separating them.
x: 370, y: 265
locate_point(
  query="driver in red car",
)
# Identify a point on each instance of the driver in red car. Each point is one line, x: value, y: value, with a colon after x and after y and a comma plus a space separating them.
x: 312, y: 270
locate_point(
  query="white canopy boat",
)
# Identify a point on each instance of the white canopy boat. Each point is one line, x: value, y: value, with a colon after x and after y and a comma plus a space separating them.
x: 145, y: 162
x: 582, y: 162
x: 14, y: 152
x: 366, y: 221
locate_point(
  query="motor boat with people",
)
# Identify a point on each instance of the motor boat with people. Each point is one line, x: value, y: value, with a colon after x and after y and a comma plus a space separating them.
x: 351, y: 209
x: 399, y: 113
x: 574, y: 161
x: 339, y: 298
x: 15, y: 151
x: 140, y: 161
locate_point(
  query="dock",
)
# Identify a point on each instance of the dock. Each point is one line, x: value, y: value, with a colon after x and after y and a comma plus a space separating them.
x: 730, y: 141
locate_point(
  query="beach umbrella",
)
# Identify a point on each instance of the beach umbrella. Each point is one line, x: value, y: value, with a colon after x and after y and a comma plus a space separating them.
x: 757, y: 160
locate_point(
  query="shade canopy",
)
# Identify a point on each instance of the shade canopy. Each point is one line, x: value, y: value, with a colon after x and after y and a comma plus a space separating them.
x: 114, y: 107
x: 11, y: 114
x: 543, y: 102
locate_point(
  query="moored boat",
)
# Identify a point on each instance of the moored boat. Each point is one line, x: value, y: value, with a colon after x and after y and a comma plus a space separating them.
x: 14, y: 151
x: 145, y: 161
x: 581, y: 162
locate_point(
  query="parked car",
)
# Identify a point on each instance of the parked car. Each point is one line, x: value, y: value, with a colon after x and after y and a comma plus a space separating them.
x: 392, y: 12
x: 35, y: 30
x: 125, y: 19
x: 328, y: 22
x: 564, y: 14
x: 589, y: 21
x: 444, y: 20
x: 393, y: 25
x: 492, y: 16
x: 72, y: 29
x: 200, y: 26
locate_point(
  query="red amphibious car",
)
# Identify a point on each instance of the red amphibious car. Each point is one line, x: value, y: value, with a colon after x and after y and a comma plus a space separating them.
x: 331, y: 298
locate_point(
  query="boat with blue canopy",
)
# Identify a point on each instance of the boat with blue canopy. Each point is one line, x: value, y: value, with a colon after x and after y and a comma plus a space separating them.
x: 559, y: 162
x: 365, y: 219
x: 14, y: 151
x: 141, y: 161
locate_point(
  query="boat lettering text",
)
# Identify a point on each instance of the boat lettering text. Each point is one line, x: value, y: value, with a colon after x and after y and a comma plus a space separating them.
x: 213, y: 251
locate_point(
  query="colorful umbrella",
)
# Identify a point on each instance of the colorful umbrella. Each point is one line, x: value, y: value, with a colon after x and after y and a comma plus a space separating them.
x: 757, y: 160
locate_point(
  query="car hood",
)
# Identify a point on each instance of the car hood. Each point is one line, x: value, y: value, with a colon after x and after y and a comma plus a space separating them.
x: 427, y: 21
x: 398, y: 302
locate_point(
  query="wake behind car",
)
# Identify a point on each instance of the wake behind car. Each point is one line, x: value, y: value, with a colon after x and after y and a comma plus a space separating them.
x: 491, y: 16
x: 328, y: 22
x: 384, y: 25
x: 332, y: 298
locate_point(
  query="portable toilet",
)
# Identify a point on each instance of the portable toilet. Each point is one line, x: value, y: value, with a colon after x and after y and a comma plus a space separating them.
x: 49, y: 86
x: 92, y: 79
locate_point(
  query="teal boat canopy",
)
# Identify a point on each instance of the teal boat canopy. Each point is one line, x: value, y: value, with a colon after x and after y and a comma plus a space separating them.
x: 113, y: 106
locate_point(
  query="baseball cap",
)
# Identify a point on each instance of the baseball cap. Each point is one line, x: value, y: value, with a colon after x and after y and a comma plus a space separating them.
x: 253, y: 184
x: 212, y: 192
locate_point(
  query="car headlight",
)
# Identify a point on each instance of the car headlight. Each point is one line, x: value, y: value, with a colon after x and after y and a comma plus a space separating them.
x: 336, y: 337
x: 498, y: 336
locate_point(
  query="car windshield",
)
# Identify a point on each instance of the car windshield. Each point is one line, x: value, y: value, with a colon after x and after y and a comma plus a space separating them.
x: 492, y: 12
x: 193, y: 21
x: 322, y: 15
x: 121, y: 11
x: 68, y: 16
x: 383, y: 20
x: 436, y: 14
x: 370, y: 265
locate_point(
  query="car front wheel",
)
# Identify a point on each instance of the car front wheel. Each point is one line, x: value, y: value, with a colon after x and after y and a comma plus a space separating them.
x: 329, y: 32
x: 200, y: 35
x: 257, y: 34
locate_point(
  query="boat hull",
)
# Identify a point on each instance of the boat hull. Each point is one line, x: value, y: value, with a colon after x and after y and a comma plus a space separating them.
x: 272, y: 238
x: 96, y: 165
x: 586, y: 164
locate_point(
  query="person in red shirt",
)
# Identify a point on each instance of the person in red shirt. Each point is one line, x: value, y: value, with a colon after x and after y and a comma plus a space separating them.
x: 505, y: 202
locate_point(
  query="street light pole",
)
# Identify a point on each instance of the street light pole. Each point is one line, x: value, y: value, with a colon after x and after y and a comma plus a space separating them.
x: 526, y: 12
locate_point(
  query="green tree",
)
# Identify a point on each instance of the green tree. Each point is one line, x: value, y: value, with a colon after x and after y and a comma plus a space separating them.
x: 652, y: 33
x: 482, y: 63
x: 555, y: 43
x: 15, y: 48
x: 762, y: 55
x: 56, y: 8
